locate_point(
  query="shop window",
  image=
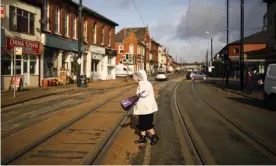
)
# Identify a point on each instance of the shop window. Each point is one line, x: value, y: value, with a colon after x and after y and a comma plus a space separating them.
x: 21, y: 20
x: 57, y: 19
x: 6, y: 64
x: 109, y: 71
x: 74, y: 31
x: 109, y: 60
x: 18, y: 63
x: 33, y: 64
x: 66, y: 23
x: 50, y: 69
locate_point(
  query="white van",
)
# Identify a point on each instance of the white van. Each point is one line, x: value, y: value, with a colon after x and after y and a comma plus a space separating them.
x: 270, y: 87
x: 121, y: 71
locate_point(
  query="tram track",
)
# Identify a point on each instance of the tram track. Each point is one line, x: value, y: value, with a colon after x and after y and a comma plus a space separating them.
x: 39, y: 148
x: 250, y: 136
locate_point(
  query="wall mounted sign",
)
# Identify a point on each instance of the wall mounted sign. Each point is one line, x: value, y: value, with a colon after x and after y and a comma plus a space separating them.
x: 28, y: 47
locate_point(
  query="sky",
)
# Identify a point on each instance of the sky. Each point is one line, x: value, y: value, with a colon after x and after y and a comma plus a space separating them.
x: 167, y: 22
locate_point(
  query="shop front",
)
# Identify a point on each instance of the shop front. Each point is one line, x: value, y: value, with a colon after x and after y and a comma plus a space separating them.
x: 60, y: 56
x: 26, y: 65
x: 111, y: 64
x: 95, y: 62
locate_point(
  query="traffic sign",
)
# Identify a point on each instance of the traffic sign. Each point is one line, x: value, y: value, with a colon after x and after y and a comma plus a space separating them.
x: 18, y: 50
x: 79, y: 61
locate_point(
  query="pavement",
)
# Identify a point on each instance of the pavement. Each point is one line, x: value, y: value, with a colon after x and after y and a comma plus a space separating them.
x: 233, y: 87
x: 7, y: 98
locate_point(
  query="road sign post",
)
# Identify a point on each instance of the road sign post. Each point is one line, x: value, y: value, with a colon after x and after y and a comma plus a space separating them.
x: 17, y: 51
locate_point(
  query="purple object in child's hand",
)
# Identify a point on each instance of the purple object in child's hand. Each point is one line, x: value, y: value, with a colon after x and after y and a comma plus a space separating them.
x: 130, y: 102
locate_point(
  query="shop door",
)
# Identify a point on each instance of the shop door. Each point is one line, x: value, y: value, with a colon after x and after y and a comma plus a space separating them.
x: 25, y: 73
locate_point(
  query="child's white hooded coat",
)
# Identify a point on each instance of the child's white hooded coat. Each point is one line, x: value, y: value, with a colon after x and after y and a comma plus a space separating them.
x: 146, y: 104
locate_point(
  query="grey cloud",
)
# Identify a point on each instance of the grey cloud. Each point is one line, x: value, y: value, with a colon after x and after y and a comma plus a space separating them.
x: 211, y: 16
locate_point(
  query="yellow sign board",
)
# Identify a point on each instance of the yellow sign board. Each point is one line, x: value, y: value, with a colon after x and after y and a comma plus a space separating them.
x: 18, y: 50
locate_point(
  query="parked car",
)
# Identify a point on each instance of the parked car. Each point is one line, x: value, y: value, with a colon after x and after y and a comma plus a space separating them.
x: 161, y: 75
x: 270, y: 87
x: 188, y: 75
x: 197, y: 75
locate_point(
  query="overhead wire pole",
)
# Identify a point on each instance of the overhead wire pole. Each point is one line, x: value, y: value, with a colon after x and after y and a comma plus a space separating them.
x: 241, y: 48
x: 227, y: 42
x: 79, y: 43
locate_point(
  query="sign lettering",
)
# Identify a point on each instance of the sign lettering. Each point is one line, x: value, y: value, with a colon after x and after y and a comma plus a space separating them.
x: 28, y: 47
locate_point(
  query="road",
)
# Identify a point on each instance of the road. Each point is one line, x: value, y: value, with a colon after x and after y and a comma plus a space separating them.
x: 196, y: 123
x: 217, y: 140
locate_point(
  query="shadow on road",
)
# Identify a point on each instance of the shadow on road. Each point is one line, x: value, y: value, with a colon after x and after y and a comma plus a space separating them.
x: 249, y: 101
x: 132, y: 124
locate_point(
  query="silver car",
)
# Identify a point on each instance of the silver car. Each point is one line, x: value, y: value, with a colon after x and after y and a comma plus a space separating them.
x: 197, y: 75
x: 161, y: 75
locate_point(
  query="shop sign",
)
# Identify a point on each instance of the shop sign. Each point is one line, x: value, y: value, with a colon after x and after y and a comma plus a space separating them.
x: 97, y: 56
x: 98, y: 50
x: 28, y: 47
x: 110, y: 52
x: 62, y: 44
x: 2, y: 11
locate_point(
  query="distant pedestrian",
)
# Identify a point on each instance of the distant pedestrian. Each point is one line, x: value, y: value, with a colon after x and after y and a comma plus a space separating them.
x: 145, y: 108
x: 249, y: 82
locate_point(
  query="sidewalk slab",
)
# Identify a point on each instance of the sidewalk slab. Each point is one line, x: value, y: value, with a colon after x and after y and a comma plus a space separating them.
x: 7, y: 98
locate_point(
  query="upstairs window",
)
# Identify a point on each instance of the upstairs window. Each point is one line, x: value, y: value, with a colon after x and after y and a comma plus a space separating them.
x: 109, y: 37
x: 121, y: 49
x: 131, y: 50
x: 21, y: 20
x: 66, y: 24
x: 57, y: 20
x: 95, y: 33
x: 85, y: 30
x: 74, y: 27
x: 102, y: 36
x: 46, y: 9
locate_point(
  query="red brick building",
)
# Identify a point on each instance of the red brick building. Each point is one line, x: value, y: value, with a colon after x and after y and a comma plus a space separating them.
x: 59, y: 26
x: 130, y: 46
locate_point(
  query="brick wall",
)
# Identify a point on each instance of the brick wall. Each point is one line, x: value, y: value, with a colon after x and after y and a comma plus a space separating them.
x: 247, y: 47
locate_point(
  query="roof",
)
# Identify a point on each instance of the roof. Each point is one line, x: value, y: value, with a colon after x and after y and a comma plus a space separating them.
x: 256, y: 38
x: 94, y: 13
x: 156, y: 42
x: 139, y: 32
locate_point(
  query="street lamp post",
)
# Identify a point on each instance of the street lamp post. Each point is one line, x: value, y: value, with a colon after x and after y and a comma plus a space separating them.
x: 241, y: 49
x: 227, y: 42
x: 79, y: 42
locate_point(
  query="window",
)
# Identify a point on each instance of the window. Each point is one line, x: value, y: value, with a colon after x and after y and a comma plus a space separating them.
x: 121, y: 49
x: 46, y: 14
x: 66, y: 23
x: 102, y: 35
x: 109, y: 60
x: 74, y: 20
x: 21, y: 20
x: 131, y: 49
x: 18, y: 65
x: 94, y: 33
x: 57, y: 21
x: 109, y: 37
x: 138, y: 50
x: 85, y: 30
x: 6, y: 64
x: 33, y: 64
x: 272, y: 71
x: 109, y: 70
